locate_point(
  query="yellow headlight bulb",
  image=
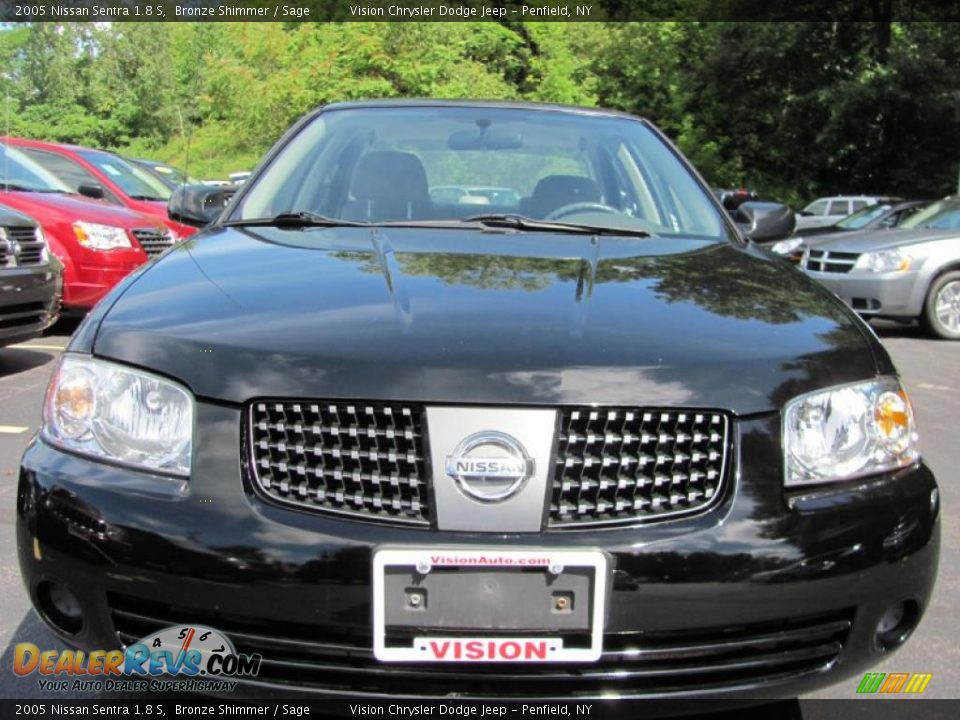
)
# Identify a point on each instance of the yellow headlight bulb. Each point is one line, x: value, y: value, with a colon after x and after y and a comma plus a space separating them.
x: 73, y: 403
x: 894, y: 420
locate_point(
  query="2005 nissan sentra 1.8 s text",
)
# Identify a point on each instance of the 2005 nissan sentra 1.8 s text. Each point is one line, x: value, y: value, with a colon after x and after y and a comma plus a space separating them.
x: 579, y: 440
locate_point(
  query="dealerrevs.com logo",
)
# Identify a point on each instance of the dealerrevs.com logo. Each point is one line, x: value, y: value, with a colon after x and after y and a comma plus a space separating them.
x: 188, y: 658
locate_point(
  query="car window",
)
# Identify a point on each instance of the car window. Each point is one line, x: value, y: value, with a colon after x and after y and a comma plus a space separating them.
x: 19, y: 170
x: 135, y: 182
x: 838, y: 207
x: 450, y: 163
x: 934, y: 215
x: 863, y: 217
x: 859, y: 205
x: 69, y: 172
x: 816, y: 208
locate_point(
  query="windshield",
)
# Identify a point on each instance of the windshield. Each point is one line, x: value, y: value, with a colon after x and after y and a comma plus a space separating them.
x: 135, y: 182
x: 170, y: 175
x: 16, y: 169
x: 862, y: 218
x: 941, y: 215
x: 435, y: 164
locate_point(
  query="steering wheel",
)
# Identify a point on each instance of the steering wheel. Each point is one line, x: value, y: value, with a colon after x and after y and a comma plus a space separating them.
x: 579, y: 207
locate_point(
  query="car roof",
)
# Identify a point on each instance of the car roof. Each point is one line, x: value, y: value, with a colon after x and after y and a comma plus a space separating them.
x: 504, y: 104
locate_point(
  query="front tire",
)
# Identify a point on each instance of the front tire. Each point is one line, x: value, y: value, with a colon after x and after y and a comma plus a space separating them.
x: 941, y: 309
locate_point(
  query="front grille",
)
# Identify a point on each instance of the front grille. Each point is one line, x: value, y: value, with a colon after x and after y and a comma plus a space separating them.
x: 632, y: 664
x: 31, y: 247
x: 624, y: 464
x: 360, y: 459
x: 367, y: 460
x: 829, y: 261
x: 153, y: 240
x: 23, y: 315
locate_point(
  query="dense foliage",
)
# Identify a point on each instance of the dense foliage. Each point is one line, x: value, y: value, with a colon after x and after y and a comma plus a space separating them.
x: 791, y: 109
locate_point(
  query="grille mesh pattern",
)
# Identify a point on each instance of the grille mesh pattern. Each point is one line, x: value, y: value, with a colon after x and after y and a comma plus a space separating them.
x: 30, y: 244
x: 831, y: 262
x: 621, y: 465
x: 361, y: 459
x: 153, y: 241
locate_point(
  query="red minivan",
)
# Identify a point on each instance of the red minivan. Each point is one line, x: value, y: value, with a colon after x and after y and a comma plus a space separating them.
x: 100, y: 174
x: 99, y: 244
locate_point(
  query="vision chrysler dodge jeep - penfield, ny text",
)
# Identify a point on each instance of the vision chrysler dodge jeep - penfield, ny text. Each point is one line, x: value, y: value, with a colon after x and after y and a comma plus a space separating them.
x: 581, y: 440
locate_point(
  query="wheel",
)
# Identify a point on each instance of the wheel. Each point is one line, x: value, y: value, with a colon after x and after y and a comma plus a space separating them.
x: 941, y: 309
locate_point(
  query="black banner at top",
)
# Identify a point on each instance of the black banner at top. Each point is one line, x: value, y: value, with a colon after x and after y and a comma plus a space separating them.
x: 473, y: 10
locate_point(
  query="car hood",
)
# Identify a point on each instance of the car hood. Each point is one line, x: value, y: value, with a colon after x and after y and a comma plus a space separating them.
x: 57, y: 207
x: 10, y: 217
x: 483, y: 317
x: 870, y: 240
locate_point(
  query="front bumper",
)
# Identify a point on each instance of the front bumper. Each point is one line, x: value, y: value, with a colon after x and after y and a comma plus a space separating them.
x: 29, y: 302
x: 766, y: 595
x: 879, y: 294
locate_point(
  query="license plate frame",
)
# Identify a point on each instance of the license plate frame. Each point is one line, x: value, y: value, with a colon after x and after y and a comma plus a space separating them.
x: 533, y: 648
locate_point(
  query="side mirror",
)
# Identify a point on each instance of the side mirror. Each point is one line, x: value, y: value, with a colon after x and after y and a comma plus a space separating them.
x: 91, y: 190
x: 765, y: 222
x: 199, y: 205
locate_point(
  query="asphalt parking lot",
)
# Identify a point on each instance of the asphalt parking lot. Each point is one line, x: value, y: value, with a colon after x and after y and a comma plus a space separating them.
x: 931, y: 371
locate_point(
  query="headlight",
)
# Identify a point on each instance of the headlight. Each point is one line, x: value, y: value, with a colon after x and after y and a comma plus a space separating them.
x: 115, y: 413
x: 100, y: 237
x: 883, y: 261
x: 848, y: 431
x: 786, y: 247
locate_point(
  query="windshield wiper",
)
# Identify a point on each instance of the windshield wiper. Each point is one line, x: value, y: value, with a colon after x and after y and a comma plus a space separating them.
x: 302, y: 219
x: 521, y: 222
x: 16, y: 188
x: 145, y: 197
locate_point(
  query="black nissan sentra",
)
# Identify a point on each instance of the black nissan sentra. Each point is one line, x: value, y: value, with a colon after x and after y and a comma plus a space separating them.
x: 581, y: 439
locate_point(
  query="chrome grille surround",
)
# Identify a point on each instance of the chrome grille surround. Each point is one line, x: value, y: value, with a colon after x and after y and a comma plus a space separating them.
x: 154, y: 241
x: 828, y: 261
x: 622, y: 466
x: 30, y: 244
x: 361, y: 459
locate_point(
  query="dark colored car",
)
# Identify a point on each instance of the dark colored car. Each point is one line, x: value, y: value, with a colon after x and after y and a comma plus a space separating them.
x: 598, y: 445
x: 98, y: 244
x: 102, y: 175
x: 30, y: 279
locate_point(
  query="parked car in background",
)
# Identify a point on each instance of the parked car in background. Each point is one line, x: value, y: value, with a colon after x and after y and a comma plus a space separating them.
x: 102, y: 175
x: 828, y: 210
x: 874, y: 217
x: 97, y: 243
x: 732, y: 199
x: 911, y: 272
x: 30, y: 279
x: 239, y: 178
x: 167, y: 174
x: 597, y: 447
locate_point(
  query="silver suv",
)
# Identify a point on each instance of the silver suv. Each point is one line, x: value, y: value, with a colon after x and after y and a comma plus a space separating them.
x: 912, y: 272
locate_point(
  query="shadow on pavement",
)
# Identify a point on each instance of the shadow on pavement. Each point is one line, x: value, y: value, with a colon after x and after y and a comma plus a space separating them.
x: 16, y: 360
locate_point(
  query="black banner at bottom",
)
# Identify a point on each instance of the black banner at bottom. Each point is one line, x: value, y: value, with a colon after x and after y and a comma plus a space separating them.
x: 191, y: 707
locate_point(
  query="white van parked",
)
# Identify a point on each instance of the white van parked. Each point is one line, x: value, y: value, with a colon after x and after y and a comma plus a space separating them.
x: 828, y: 210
